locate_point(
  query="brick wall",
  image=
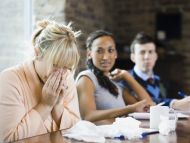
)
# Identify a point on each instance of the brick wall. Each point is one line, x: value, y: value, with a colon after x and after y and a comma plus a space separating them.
x: 89, y: 15
x: 126, y: 18
x: 123, y: 17
x: 138, y: 16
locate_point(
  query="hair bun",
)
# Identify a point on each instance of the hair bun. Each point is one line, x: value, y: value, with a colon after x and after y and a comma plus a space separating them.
x: 66, y: 32
x: 43, y: 23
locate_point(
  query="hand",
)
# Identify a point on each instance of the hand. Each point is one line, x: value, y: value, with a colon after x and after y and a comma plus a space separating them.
x: 182, y: 104
x: 58, y: 109
x: 64, y: 86
x: 140, y: 106
x: 118, y: 74
x: 52, y: 89
x: 150, y: 103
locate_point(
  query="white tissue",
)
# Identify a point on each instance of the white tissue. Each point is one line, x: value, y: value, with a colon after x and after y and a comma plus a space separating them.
x: 108, y: 131
x: 166, y: 126
x: 85, y: 131
x: 128, y: 127
x: 89, y: 132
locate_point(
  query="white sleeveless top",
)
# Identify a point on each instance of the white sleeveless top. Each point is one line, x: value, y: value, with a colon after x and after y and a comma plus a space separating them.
x: 103, y: 98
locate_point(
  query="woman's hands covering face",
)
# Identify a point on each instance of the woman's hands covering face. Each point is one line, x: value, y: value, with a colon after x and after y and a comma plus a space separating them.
x: 53, y: 88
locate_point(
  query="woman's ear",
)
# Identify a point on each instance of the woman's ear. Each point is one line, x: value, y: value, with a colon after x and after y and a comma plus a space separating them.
x: 132, y: 56
x: 37, y: 51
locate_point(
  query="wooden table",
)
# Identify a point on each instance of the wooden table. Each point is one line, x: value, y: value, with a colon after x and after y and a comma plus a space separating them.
x: 180, y: 136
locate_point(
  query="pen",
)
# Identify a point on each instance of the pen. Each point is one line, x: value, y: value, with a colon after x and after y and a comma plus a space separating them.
x: 149, y: 133
x: 182, y: 94
x: 160, y: 104
x: 121, y: 137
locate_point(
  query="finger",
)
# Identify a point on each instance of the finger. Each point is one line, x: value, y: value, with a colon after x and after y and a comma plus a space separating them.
x: 57, y: 82
x: 60, y: 99
x: 63, y: 76
x: 59, y: 91
x: 62, y: 82
x: 64, y: 88
x: 112, y: 77
x: 115, y: 71
x: 53, y: 80
x: 49, y: 79
x: 143, y: 101
x: 146, y: 109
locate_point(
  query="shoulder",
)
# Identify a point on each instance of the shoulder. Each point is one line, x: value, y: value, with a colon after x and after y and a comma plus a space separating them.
x: 87, y: 75
x: 10, y: 74
x: 10, y: 81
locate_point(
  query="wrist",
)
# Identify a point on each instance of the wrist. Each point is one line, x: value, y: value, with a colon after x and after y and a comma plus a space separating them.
x: 58, y: 107
x: 57, y: 112
x: 131, y: 108
x: 43, y: 109
x: 44, y: 106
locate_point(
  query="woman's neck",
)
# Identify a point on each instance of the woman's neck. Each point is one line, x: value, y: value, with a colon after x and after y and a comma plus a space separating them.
x: 106, y: 74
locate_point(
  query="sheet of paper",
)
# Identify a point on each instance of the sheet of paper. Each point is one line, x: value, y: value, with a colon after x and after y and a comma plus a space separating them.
x: 145, y: 115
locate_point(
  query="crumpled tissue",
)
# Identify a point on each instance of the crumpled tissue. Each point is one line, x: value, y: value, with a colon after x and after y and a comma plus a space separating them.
x: 166, y: 125
x: 89, y: 132
x: 85, y: 131
x: 128, y: 127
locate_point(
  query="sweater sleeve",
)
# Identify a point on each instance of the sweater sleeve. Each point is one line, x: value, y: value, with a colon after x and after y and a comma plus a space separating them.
x: 15, y: 122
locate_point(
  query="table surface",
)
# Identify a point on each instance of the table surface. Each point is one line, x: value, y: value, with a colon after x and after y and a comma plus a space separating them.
x: 179, y: 136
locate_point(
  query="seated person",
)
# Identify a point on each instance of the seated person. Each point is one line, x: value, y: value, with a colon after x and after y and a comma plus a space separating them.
x: 143, y: 54
x: 40, y: 96
x: 101, y: 98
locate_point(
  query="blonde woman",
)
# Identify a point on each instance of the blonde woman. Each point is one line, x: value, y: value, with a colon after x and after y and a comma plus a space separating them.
x: 40, y: 96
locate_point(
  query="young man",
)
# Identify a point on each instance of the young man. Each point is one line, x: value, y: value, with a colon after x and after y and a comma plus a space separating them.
x: 143, y: 54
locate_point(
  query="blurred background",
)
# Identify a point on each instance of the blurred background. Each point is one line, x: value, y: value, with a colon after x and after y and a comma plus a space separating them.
x: 168, y: 21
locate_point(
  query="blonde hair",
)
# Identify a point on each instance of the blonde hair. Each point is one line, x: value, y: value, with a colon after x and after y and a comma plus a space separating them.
x: 58, y: 42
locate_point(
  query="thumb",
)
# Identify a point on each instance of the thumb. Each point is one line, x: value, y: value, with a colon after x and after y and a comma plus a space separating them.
x: 143, y: 101
x: 115, y: 71
x: 60, y: 99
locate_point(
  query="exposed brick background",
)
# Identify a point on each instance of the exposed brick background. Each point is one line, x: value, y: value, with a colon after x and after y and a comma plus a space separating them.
x: 124, y: 18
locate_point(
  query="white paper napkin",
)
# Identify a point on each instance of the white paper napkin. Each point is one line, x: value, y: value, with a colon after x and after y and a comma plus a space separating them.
x: 89, y: 132
x: 85, y: 131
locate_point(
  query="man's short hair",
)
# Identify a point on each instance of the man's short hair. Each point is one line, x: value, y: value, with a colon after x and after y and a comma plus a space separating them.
x: 141, y: 38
